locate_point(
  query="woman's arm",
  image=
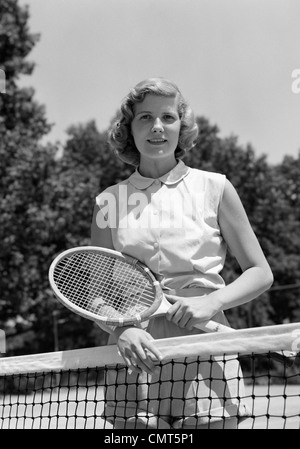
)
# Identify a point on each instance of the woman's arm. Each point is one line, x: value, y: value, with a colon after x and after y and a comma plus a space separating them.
x: 256, y: 274
x: 100, y: 236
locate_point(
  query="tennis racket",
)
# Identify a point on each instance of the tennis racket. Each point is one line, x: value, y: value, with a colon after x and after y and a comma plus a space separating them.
x: 109, y: 287
x: 112, y: 288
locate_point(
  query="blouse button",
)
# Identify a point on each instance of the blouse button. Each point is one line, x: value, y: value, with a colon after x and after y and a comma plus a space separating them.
x: 155, y: 245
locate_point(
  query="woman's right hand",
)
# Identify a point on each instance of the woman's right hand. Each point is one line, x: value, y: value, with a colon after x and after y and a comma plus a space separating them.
x: 137, y: 349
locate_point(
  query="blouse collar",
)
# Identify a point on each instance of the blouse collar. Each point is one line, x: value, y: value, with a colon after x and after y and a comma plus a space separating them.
x: 172, y: 177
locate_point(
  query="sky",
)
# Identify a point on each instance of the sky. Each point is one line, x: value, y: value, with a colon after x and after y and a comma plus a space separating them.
x: 233, y: 60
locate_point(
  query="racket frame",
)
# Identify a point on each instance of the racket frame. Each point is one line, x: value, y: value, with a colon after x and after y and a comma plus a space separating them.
x: 143, y: 316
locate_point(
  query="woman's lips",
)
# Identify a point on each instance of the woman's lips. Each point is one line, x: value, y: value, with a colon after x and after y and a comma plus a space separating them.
x: 157, y: 141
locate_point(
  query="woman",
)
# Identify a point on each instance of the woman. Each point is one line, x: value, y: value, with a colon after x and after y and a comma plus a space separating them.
x: 179, y: 222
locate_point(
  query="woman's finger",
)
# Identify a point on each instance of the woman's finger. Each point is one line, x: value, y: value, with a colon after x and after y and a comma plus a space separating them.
x: 143, y: 356
x: 174, y: 307
x: 148, y: 355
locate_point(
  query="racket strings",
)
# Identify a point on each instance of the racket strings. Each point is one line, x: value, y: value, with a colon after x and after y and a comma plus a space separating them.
x: 104, y: 285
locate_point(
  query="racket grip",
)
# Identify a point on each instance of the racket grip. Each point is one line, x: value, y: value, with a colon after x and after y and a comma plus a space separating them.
x: 213, y: 326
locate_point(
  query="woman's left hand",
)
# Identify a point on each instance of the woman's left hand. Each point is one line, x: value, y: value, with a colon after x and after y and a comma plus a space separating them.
x: 187, y: 312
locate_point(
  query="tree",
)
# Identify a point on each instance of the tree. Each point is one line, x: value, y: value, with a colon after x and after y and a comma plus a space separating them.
x: 20, y: 116
x: 46, y: 204
x: 25, y: 166
x: 284, y: 225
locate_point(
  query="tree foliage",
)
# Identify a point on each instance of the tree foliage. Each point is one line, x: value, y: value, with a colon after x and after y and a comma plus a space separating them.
x: 46, y: 206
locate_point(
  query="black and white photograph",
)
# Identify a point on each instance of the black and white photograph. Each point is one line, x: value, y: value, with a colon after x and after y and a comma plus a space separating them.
x: 149, y: 217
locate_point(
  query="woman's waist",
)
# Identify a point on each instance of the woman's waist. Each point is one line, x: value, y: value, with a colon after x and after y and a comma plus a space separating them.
x: 187, y: 292
x: 188, y: 281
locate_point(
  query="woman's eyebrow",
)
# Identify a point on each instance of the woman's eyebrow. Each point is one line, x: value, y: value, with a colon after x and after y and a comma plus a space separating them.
x: 150, y: 112
x: 143, y: 112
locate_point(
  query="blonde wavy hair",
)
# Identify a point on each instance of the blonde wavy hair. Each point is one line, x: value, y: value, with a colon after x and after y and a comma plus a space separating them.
x: 120, y: 137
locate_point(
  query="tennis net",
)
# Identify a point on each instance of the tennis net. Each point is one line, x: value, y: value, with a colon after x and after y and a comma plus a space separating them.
x: 87, y: 388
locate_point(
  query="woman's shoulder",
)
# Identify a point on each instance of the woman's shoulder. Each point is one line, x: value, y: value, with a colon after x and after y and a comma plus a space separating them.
x: 207, y: 183
x: 207, y: 176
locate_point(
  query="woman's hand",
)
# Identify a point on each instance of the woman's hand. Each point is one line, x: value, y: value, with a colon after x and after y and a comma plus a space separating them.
x: 137, y: 349
x: 187, y: 312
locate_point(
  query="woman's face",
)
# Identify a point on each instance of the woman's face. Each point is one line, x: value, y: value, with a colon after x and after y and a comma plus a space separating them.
x: 156, y: 126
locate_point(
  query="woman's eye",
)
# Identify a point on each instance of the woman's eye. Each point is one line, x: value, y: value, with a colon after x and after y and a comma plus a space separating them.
x: 145, y: 117
x: 169, y: 117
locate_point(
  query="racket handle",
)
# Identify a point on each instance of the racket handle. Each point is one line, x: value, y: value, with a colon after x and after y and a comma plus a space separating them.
x: 213, y: 326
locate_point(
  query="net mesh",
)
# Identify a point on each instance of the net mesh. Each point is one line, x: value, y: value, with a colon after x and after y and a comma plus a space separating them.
x: 91, y: 388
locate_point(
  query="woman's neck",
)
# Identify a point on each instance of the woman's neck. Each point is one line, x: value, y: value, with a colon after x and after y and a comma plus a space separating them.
x: 156, y: 169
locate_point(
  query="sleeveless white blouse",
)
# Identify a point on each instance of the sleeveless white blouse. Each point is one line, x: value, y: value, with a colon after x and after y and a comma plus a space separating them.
x: 170, y: 224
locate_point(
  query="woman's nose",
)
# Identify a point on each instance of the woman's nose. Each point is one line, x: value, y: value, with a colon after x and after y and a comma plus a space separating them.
x: 157, y: 125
